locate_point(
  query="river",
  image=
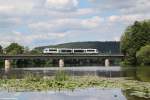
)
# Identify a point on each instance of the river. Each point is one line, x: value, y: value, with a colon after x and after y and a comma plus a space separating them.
x: 138, y: 73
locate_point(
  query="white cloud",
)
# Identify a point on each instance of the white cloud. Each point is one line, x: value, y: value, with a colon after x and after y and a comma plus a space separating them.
x: 138, y: 6
x: 65, y: 24
x: 26, y: 39
x: 128, y: 18
x: 7, y: 23
x: 92, y: 22
x: 12, y: 7
x: 123, y: 6
x: 62, y: 4
x: 52, y: 21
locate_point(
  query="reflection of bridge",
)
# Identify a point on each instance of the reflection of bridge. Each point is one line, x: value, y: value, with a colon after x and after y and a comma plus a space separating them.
x: 61, y: 58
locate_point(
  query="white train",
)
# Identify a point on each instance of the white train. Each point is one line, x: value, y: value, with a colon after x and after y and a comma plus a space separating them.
x: 69, y: 51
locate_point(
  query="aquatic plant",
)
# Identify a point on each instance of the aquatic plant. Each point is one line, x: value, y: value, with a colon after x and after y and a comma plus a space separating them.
x: 61, y: 75
x: 62, y: 81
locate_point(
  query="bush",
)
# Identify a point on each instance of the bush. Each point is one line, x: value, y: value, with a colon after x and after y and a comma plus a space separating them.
x: 143, y: 55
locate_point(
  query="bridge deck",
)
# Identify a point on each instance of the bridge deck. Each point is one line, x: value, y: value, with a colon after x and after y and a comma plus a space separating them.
x: 60, y: 56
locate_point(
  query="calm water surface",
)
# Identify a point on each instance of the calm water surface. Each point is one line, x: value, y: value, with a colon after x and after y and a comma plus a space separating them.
x: 139, y: 73
x: 85, y: 94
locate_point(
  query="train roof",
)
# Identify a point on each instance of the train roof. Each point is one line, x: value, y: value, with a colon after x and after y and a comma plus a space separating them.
x: 69, y: 48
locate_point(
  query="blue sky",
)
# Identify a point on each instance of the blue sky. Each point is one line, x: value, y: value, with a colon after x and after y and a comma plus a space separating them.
x: 44, y: 22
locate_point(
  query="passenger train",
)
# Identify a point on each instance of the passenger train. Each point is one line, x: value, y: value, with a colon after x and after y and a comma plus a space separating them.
x: 69, y: 51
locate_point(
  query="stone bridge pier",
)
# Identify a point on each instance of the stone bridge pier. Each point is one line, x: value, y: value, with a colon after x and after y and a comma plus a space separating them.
x: 61, y: 63
x: 107, y: 63
x: 7, y: 65
x: 105, y: 58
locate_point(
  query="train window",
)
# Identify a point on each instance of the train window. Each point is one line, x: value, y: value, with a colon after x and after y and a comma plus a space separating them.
x: 66, y: 50
x: 52, y: 49
x: 90, y: 50
x: 78, y: 51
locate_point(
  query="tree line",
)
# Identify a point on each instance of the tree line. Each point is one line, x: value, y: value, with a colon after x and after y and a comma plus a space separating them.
x: 15, y: 49
x: 135, y: 43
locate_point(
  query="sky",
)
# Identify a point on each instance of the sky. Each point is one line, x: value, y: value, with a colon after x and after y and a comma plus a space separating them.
x: 47, y: 22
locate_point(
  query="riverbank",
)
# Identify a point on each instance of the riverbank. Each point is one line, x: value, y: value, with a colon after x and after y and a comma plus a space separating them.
x: 30, y: 83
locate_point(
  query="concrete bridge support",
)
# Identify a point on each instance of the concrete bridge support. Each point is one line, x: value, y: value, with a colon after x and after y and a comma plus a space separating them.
x: 61, y: 63
x: 107, y: 63
x: 7, y: 66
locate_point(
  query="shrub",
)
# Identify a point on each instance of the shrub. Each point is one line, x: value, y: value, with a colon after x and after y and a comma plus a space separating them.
x: 143, y: 55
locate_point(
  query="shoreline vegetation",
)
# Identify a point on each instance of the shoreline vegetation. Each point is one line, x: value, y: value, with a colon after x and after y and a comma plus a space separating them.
x: 135, y: 43
x: 61, y: 81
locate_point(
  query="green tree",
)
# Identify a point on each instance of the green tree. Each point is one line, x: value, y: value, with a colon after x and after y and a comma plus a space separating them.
x: 14, y: 49
x: 143, y: 55
x: 135, y: 36
x: 1, y: 49
x: 1, y: 61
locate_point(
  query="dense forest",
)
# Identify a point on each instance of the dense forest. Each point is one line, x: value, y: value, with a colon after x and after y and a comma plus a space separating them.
x: 112, y: 47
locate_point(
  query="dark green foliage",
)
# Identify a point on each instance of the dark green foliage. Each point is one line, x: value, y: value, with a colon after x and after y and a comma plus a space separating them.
x: 61, y: 75
x: 1, y: 61
x: 14, y: 49
x: 143, y: 73
x: 103, y: 47
x: 31, y: 78
x: 143, y: 55
x: 1, y: 49
x: 135, y: 36
x: 48, y: 63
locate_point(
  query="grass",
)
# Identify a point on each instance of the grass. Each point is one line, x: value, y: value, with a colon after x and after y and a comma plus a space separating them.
x: 62, y: 81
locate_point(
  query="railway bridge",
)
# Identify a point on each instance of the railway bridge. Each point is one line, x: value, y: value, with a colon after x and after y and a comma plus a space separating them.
x: 61, y: 58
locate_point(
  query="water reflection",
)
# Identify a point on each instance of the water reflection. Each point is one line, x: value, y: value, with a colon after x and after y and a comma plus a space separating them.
x: 138, y: 73
x: 72, y: 71
x: 85, y: 94
x: 141, y: 73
